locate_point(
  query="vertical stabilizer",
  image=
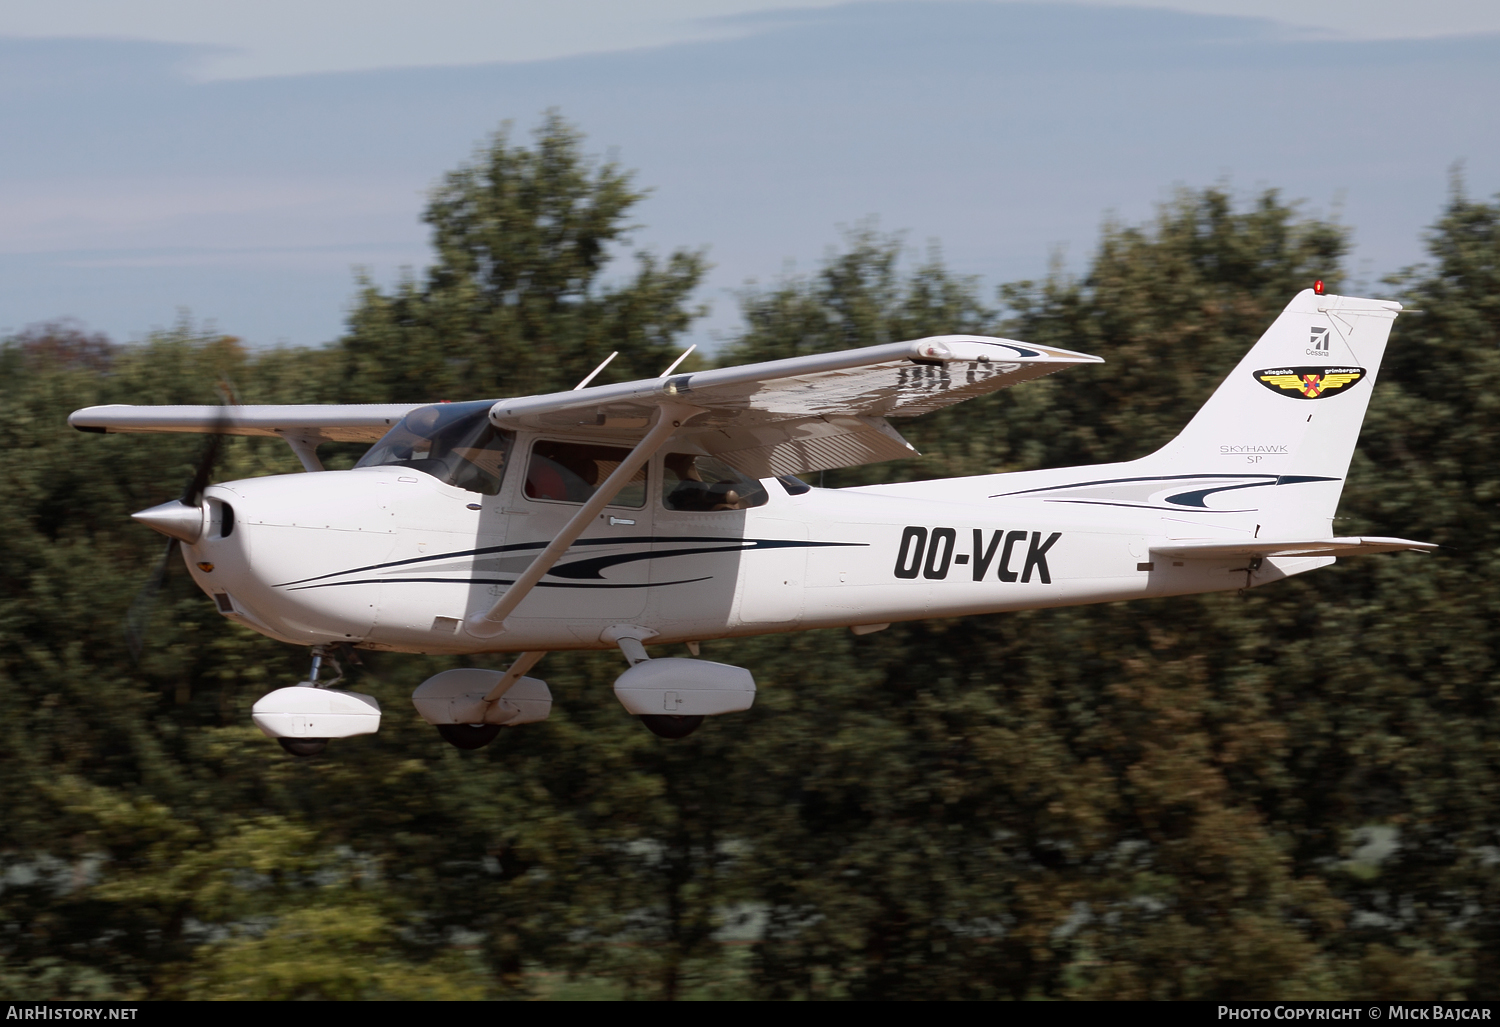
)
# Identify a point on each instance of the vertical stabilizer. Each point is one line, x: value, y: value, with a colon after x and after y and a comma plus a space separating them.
x: 1291, y: 410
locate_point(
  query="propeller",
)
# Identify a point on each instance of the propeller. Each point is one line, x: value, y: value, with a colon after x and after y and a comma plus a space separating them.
x: 181, y: 521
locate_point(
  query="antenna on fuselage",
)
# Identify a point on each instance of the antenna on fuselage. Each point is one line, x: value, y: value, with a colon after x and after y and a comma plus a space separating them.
x: 596, y: 370
x: 681, y: 357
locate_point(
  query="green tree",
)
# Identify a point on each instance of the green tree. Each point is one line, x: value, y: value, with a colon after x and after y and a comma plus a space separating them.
x: 1423, y: 759
x: 515, y: 302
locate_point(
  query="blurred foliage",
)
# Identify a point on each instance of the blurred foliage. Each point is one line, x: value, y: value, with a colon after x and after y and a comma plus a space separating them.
x: 1290, y: 793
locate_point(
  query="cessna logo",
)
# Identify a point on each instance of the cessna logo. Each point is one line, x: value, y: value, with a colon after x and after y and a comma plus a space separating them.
x: 931, y: 554
x: 1309, y: 382
x: 1317, y: 345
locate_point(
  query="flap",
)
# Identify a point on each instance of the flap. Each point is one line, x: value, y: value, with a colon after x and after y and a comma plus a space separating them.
x: 796, y: 446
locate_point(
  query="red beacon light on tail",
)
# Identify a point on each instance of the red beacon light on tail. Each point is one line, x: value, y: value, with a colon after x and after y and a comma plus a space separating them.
x: 1318, y: 287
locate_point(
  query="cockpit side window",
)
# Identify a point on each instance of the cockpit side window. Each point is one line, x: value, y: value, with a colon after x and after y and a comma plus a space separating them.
x: 571, y: 472
x: 453, y: 442
x: 701, y: 483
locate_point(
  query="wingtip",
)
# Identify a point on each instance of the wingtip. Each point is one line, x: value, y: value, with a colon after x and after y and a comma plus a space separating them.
x: 84, y: 414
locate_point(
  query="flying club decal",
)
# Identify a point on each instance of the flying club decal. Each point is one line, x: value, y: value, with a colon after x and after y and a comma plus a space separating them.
x: 1309, y: 382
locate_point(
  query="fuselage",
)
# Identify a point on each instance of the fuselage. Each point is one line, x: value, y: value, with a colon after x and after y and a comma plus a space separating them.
x: 391, y: 558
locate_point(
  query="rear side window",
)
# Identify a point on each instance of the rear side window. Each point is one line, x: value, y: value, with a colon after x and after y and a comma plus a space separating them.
x: 571, y: 472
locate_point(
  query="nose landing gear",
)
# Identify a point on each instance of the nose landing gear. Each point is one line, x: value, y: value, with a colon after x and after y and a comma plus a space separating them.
x: 305, y: 747
x: 304, y: 717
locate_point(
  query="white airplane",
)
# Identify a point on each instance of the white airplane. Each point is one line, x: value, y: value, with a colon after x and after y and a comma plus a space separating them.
x: 665, y: 511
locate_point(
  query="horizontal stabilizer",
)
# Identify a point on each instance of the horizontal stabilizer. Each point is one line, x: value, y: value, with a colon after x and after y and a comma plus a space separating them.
x: 1357, y: 546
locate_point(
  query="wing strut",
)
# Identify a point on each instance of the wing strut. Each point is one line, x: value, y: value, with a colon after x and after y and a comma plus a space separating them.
x: 669, y: 417
x: 306, y: 448
x: 516, y: 671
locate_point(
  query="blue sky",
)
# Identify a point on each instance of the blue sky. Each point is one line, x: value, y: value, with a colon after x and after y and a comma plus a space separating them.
x: 241, y: 171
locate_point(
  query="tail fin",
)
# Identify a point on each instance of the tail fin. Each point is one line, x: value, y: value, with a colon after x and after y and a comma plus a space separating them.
x: 1291, y: 411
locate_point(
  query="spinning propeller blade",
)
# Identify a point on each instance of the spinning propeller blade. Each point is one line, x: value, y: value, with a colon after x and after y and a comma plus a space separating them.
x: 139, y: 615
x: 138, y: 618
x: 193, y: 494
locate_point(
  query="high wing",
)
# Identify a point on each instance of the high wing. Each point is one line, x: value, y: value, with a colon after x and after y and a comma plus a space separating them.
x: 806, y: 413
x: 314, y: 423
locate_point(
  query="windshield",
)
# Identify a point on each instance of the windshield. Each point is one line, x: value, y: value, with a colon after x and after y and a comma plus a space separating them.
x: 453, y: 442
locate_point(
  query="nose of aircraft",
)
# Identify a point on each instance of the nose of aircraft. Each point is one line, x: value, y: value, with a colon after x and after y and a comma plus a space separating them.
x: 175, y: 520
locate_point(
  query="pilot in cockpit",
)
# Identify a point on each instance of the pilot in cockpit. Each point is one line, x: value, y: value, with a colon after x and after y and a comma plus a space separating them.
x: 690, y: 492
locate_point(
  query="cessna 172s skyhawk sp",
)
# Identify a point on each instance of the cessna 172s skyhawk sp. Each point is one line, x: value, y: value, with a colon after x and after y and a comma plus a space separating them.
x: 665, y: 511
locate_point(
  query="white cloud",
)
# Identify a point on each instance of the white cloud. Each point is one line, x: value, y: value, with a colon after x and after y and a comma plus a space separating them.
x: 286, y: 37
x: 289, y: 37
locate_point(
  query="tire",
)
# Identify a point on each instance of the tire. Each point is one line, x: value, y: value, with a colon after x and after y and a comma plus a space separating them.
x: 664, y: 726
x: 303, y: 746
x: 468, y: 736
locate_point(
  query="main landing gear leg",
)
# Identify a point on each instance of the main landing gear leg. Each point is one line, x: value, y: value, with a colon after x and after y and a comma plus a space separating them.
x: 469, y: 706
